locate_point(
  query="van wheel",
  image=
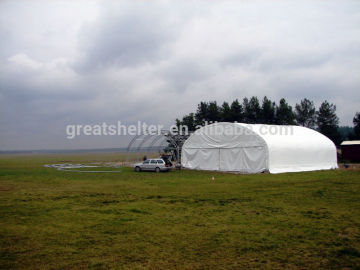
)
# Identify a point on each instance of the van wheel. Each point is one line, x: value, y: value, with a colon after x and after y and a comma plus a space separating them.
x: 137, y: 169
x: 157, y: 169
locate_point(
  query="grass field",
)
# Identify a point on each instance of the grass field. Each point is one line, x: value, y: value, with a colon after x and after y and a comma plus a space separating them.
x: 176, y: 220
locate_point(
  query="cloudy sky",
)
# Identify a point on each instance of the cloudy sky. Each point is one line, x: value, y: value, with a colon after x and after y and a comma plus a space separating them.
x: 89, y: 62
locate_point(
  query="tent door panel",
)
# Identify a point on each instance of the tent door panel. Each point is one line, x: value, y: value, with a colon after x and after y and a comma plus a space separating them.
x: 247, y: 160
x: 202, y: 159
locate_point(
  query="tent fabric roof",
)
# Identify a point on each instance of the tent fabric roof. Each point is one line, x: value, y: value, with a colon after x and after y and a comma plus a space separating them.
x: 284, y: 148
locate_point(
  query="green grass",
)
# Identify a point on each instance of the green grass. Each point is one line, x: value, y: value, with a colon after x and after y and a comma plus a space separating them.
x: 181, y: 219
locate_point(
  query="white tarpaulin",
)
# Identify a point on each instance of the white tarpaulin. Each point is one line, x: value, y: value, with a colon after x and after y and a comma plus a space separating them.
x: 256, y: 148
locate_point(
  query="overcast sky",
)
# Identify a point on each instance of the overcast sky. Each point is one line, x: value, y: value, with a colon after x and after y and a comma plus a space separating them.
x: 88, y: 62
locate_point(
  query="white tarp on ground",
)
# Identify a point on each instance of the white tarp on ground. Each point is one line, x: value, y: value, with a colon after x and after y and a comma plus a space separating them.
x: 256, y: 148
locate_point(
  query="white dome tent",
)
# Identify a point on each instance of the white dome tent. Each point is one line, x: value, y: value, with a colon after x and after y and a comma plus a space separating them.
x: 254, y: 148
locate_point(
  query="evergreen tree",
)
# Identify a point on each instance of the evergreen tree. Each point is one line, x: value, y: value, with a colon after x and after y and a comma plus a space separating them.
x: 189, y: 121
x: 284, y: 113
x: 268, y: 112
x: 237, y: 113
x: 356, y: 122
x: 327, y: 122
x: 305, y: 113
x: 178, y: 122
x: 246, y: 109
x: 226, y: 115
x: 202, y: 113
x: 214, y: 112
x: 252, y: 110
x: 346, y: 133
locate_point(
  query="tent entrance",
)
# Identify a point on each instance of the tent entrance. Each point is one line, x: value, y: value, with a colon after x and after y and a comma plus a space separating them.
x: 245, y: 159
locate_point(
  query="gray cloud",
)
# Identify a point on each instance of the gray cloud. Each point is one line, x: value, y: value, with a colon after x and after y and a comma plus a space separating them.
x: 92, y: 62
x: 126, y: 35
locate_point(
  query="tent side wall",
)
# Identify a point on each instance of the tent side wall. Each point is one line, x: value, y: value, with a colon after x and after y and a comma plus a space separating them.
x: 245, y: 159
x: 235, y: 149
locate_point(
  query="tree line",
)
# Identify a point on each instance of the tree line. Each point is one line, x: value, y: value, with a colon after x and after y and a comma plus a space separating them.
x: 252, y: 111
